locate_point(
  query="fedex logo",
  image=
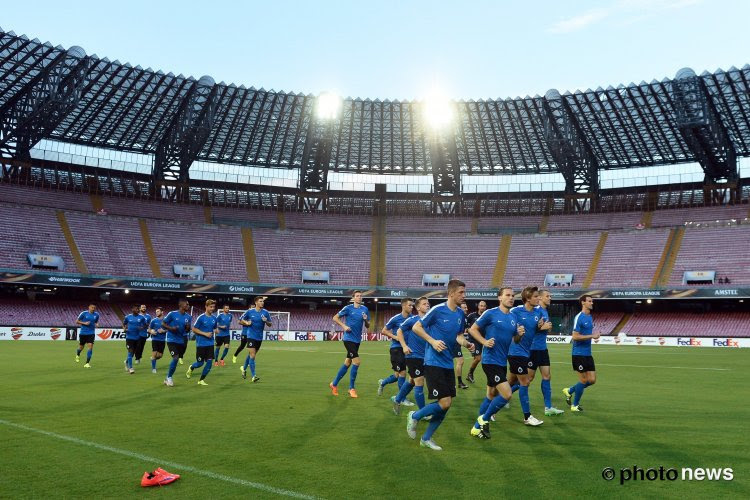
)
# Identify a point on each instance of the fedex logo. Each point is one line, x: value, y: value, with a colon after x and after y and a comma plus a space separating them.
x: 690, y: 341
x: 274, y: 336
x: 726, y: 343
x: 304, y: 336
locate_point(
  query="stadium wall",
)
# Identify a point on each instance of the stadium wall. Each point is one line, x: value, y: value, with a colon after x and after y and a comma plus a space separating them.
x: 109, y: 334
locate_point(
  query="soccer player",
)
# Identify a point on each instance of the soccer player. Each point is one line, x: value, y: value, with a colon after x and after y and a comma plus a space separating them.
x: 133, y: 324
x: 186, y: 338
x: 243, y: 342
x: 520, y: 349
x: 204, y: 328
x: 223, y: 324
x: 540, y: 355
x: 144, y: 335
x: 398, y: 361
x: 413, y: 346
x: 459, y: 355
x: 495, y: 331
x: 443, y: 328
x: 355, y: 315
x: 158, y: 338
x: 256, y: 318
x: 177, y: 324
x: 477, y: 352
x: 87, y: 320
x: 583, y: 362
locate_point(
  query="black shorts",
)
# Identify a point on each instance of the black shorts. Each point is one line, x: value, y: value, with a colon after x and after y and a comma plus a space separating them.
x: 496, y: 374
x: 459, y: 353
x: 86, y: 339
x: 131, y: 345
x: 175, y: 349
x: 352, y: 349
x: 415, y: 367
x: 398, y: 360
x: 204, y: 352
x: 539, y: 358
x: 254, y: 344
x: 441, y: 382
x: 519, y: 365
x: 157, y: 346
x: 583, y: 364
x: 223, y: 340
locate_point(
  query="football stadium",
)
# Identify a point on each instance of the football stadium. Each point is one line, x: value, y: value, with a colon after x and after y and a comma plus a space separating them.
x: 209, y: 288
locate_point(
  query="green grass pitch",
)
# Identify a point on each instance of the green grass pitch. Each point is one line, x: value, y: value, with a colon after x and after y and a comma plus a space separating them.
x: 651, y: 407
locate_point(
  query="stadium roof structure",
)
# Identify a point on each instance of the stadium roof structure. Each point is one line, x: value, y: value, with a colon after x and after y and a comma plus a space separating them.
x: 48, y: 92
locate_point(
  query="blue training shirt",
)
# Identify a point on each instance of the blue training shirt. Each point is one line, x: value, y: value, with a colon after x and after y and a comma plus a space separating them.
x: 134, y: 324
x: 178, y: 320
x: 583, y: 324
x: 89, y: 329
x: 255, y: 330
x: 529, y: 320
x: 155, y: 325
x: 443, y: 324
x: 354, y: 318
x: 144, y: 332
x: 393, y: 325
x: 540, y: 339
x: 205, y: 323
x: 495, y: 324
x: 223, y: 323
x: 415, y: 342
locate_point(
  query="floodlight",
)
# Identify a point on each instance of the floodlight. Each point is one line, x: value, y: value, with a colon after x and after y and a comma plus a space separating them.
x: 438, y: 110
x: 328, y: 105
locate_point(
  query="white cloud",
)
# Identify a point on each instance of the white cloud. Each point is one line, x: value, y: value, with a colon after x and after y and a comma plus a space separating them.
x: 634, y: 9
x: 579, y: 21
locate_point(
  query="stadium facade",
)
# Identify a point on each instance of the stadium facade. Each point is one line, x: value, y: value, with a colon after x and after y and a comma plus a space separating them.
x: 53, y: 95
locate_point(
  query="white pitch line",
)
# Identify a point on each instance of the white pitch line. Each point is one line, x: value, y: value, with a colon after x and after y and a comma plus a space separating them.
x: 655, y: 366
x: 146, y: 458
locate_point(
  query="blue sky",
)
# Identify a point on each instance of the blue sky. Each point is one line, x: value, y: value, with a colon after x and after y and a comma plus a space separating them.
x: 399, y: 50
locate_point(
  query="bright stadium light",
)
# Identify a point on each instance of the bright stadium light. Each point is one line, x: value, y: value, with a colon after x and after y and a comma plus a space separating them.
x: 328, y: 105
x: 437, y: 110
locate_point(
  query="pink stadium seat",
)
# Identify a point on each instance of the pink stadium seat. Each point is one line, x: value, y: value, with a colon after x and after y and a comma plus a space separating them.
x: 721, y: 249
x: 18, y: 312
x: 687, y: 324
x: 468, y: 258
x: 109, y: 245
x: 283, y: 255
x: 630, y: 259
x: 30, y: 229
